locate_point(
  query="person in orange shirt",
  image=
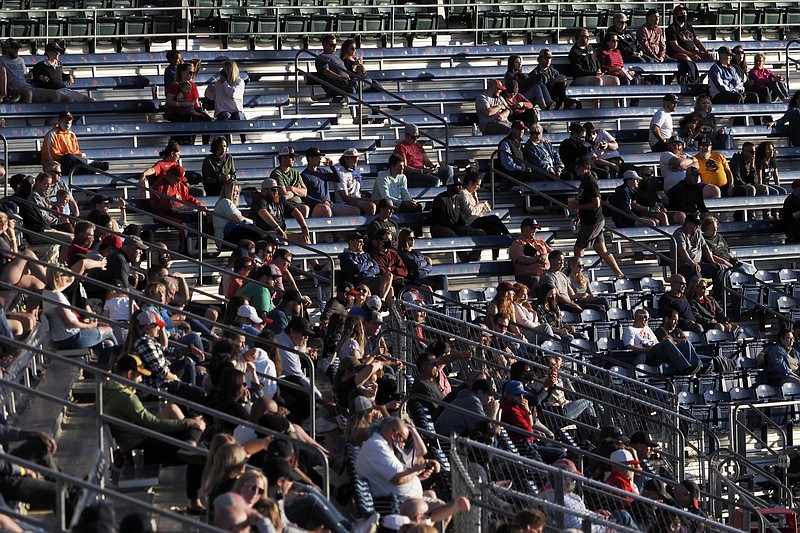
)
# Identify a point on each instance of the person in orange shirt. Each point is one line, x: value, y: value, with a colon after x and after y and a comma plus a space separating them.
x: 61, y: 144
x: 173, y: 187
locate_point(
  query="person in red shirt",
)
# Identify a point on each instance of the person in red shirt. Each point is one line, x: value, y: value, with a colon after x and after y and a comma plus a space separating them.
x: 620, y: 476
x: 173, y: 187
x: 420, y: 170
x: 389, y: 261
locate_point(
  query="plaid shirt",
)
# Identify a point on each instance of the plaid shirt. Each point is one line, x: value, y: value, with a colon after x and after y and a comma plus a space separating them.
x: 152, y: 356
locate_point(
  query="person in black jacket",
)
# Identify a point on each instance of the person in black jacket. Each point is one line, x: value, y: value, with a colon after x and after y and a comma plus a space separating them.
x: 628, y: 44
x: 446, y: 219
x: 574, y: 148
x: 687, y: 196
x: 790, y: 214
x: 49, y: 74
x: 585, y: 66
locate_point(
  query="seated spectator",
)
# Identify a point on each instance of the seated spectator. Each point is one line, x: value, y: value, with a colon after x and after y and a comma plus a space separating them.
x: 269, y: 211
x: 633, y: 214
x: 480, y: 399
x: 341, y: 302
x: 230, y: 224
x: 120, y: 255
x: 766, y: 165
x: 555, y: 277
x: 538, y: 93
x: 545, y: 73
x: 218, y: 167
x: 557, y: 401
x: 60, y: 144
x: 782, y: 361
x: 791, y: 118
x: 682, y: 40
x: 447, y: 218
x: 574, y: 148
x: 53, y: 169
x: 669, y: 327
x: 348, y: 189
x: 717, y: 243
x: 585, y: 66
x: 388, y: 260
x: 419, y: 266
x: 743, y: 168
x: 258, y: 294
x: 689, y: 130
x: 674, y: 164
x: 359, y: 267
x: 707, y: 311
x: 493, y: 112
x: 475, y: 212
x: 170, y: 157
x: 15, y: 269
x: 724, y: 82
x: 651, y: 40
x: 790, y: 214
x: 648, y: 349
x: 550, y: 313
x: 526, y: 319
x: 317, y: 176
x: 420, y: 171
x: 687, y: 497
x: 540, y: 153
x: 182, y: 102
x: 292, y: 187
x: 510, y: 154
x: 715, y: 174
x: 227, y: 94
x: 694, y: 256
x: 604, y: 147
x: 173, y: 202
x: 332, y: 69
x: 521, y: 108
x: 661, y: 126
x: 622, y: 475
x: 647, y: 195
x: 419, y: 512
x: 628, y: 44
x: 687, y: 196
x: 769, y: 86
x: 392, y: 185
x: 611, y: 60
x: 290, y: 305
x: 16, y: 81
x: 529, y: 255
x: 386, y: 210
x: 707, y: 125
x: 579, y: 283
x: 427, y: 382
x: 675, y: 298
x: 49, y: 74
x: 517, y: 412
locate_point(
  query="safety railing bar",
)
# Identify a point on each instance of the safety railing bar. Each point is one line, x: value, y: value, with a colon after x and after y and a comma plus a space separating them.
x: 757, y: 468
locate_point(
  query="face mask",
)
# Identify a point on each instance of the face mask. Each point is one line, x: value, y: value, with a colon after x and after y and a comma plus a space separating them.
x: 65, y: 124
x: 680, y: 18
x: 387, y: 244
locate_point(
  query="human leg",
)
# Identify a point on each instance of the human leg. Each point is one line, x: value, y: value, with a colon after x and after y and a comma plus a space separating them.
x: 423, y: 180
x: 41, y: 96
x: 340, y: 209
x: 607, y: 257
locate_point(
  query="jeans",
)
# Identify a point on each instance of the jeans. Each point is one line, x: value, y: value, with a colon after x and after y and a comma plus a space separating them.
x: 681, y: 355
x: 430, y: 180
x: 539, y: 93
x: 85, y: 338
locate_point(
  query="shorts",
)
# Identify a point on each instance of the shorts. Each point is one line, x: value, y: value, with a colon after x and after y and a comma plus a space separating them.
x: 587, y: 235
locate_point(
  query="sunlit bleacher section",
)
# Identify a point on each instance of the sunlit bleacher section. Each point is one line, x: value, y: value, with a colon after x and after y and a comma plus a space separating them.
x: 725, y: 428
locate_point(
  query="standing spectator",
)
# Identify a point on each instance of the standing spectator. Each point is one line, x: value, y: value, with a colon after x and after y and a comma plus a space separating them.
x: 317, y: 176
x: 529, y: 255
x: 650, y: 37
x: 292, y: 187
x: 174, y: 59
x: 539, y: 152
x: 628, y: 43
x: 537, y: 92
x: 14, y: 69
x: 682, y: 41
x: 332, y: 69
x: 510, y: 154
x: 269, y: 211
x: 590, y: 216
x: 724, y: 82
x: 694, y: 256
x: 49, y: 74
x: 584, y: 63
x: 493, y: 112
x: 447, y: 219
x: 173, y: 186
x: 521, y: 108
x: 60, y: 144
x: 634, y: 214
x: 762, y: 77
x: 790, y: 214
x: 392, y: 185
x: 348, y: 189
x: 420, y: 170
x: 177, y: 107
x: 612, y: 63
x: 792, y: 118
x: 674, y: 164
x: 545, y: 73
x: 218, y: 166
x: 661, y: 126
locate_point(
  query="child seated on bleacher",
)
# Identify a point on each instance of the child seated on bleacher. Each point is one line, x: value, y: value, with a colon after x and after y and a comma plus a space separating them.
x: 61, y: 203
x: 184, y: 95
x: 118, y: 307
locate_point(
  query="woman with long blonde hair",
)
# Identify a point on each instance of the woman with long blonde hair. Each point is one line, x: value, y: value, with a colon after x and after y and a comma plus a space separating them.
x: 353, y: 340
x: 224, y: 466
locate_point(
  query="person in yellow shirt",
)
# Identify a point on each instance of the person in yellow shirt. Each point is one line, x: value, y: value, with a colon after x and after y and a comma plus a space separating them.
x: 61, y: 144
x: 715, y: 174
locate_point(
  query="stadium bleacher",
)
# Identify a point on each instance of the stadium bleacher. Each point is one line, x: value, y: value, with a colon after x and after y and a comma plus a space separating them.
x: 729, y: 427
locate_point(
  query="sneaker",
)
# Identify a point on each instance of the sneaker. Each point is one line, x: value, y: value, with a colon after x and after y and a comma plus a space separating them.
x: 10, y: 99
x: 101, y: 165
x: 370, y: 525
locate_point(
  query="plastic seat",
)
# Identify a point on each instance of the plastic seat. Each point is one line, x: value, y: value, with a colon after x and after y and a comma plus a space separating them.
x: 717, y: 335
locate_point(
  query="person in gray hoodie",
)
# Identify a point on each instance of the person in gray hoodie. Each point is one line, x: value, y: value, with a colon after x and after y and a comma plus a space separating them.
x: 480, y: 399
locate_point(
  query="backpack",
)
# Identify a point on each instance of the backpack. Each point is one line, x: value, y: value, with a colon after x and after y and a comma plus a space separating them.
x: 688, y: 73
x: 761, y: 358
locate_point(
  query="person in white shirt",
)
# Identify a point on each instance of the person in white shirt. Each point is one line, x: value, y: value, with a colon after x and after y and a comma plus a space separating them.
x: 674, y: 163
x: 642, y: 341
x: 661, y: 127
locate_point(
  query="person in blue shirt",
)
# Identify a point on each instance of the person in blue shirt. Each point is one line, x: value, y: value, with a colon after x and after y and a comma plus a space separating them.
x: 317, y: 176
x: 783, y: 361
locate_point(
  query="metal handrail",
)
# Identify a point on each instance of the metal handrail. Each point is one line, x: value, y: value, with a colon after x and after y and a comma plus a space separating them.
x: 788, y: 60
x: 728, y: 453
x: 322, y: 81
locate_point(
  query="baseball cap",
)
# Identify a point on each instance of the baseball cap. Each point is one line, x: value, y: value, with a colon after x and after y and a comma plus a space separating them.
x: 269, y: 183
x: 375, y: 316
x: 351, y: 152
x: 11, y: 43
x: 500, y: 85
x: 412, y: 129
x: 12, y: 209
x: 675, y: 139
x: 66, y: 115
x: 287, y: 151
x: 611, y: 432
x: 354, y: 236
x: 455, y: 180
x: 111, y: 240
x: 99, y: 199
x: 277, y: 469
x: 53, y: 47
x: 513, y: 388
x: 704, y: 141
x: 149, y: 316
x: 519, y: 125
x: 530, y: 223
x: 374, y: 302
x: 631, y: 175
x: 178, y: 172
x: 623, y: 457
x: 132, y: 362
x: 301, y: 325
x: 483, y: 385
x: 620, y: 17
x: 248, y: 311
x: 651, y: 12
x: 724, y: 51
x: 657, y: 486
x: 280, y: 449
x: 643, y: 437
x: 386, y: 203
x: 361, y: 404
x: 679, y: 7
x: 133, y: 240
x: 693, y: 218
x: 570, y: 466
x: 314, y: 152
x: 670, y: 97
x: 346, y: 287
